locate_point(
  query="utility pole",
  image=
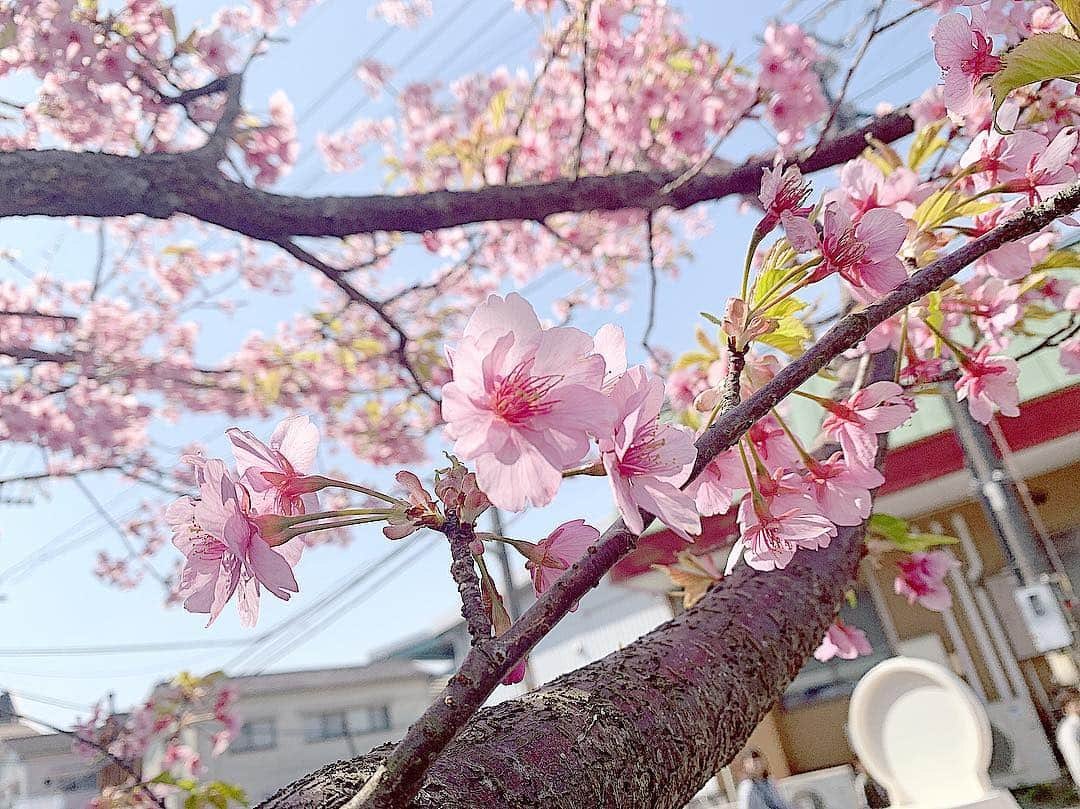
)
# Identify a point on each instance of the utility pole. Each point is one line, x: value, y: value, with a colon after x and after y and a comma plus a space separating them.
x: 996, y: 494
x: 502, y: 553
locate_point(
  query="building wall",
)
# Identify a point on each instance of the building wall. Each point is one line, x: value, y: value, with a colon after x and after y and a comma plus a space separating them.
x: 52, y: 778
x: 261, y: 772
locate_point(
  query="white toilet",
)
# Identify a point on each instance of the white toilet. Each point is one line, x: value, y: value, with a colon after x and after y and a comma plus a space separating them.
x: 922, y: 734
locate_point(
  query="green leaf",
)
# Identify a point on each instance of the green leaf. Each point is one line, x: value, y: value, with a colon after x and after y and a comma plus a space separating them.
x: 888, y: 526
x: 1065, y: 258
x: 790, y: 335
x: 1035, y: 59
x: 1071, y: 9
x: 851, y: 599
x: 497, y: 108
x: 920, y: 542
x: 712, y: 318
x: 899, y: 533
x: 926, y: 144
x: 681, y: 62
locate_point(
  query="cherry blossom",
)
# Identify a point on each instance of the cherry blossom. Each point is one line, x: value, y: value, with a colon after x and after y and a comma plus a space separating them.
x: 770, y: 534
x: 523, y: 401
x: 965, y: 55
x: 841, y: 490
x: 864, y: 253
x: 561, y: 548
x: 922, y: 579
x: 278, y: 470
x: 856, y: 423
x: 844, y: 641
x: 783, y: 190
x: 987, y: 381
x: 646, y: 461
x: 225, y: 550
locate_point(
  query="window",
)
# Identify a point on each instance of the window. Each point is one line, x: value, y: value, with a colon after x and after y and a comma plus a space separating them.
x: 321, y: 727
x: 257, y: 734
x: 339, y: 724
x: 367, y: 720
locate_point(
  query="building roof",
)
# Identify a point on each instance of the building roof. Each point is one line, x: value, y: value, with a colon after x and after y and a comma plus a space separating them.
x: 39, y: 744
x: 307, y: 679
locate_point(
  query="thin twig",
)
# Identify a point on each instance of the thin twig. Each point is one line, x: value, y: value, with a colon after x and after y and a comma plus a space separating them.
x: 1066, y: 332
x: 872, y: 20
x: 356, y: 296
x: 104, y: 750
x: 651, y: 321
x: 579, y: 153
x: 463, y: 571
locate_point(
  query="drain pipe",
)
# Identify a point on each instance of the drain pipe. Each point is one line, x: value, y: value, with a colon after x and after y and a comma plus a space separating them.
x: 986, y: 609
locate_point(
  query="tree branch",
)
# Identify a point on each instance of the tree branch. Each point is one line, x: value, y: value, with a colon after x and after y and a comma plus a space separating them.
x: 404, y: 768
x: 356, y: 296
x: 60, y: 183
x: 463, y: 572
x: 662, y: 714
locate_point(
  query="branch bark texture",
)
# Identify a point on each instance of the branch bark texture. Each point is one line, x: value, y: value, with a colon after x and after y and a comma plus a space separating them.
x: 62, y: 183
x: 481, y: 671
x: 644, y: 727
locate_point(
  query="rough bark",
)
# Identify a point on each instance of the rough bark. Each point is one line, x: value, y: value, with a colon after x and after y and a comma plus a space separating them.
x: 646, y: 726
x: 426, y: 748
x: 61, y: 183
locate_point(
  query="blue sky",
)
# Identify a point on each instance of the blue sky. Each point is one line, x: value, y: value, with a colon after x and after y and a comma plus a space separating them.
x: 59, y: 603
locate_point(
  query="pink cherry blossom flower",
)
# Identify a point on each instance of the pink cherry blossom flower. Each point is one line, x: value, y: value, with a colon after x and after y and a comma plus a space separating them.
x: 856, y: 423
x: 1047, y: 171
x: 647, y: 461
x: 965, y: 56
x: 783, y: 190
x: 714, y: 489
x: 225, y: 551
x: 553, y: 555
x: 843, y: 641
x: 842, y: 491
x: 417, y: 511
x: 863, y: 253
x: 986, y: 381
x: 523, y: 401
x: 922, y: 579
x: 277, y: 471
x: 771, y: 532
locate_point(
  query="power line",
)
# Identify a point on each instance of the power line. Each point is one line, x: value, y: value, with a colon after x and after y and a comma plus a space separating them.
x: 122, y: 648
x: 53, y: 701
x: 273, y: 655
x: 420, y: 47
x: 267, y: 647
x: 330, y: 89
x: 271, y: 648
x: 57, y: 546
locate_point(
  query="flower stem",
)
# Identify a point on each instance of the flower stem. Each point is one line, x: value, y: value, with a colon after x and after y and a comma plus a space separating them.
x: 355, y: 487
x: 793, y: 438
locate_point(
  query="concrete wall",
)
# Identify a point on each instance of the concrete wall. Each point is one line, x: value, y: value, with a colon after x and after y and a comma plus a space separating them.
x: 261, y: 772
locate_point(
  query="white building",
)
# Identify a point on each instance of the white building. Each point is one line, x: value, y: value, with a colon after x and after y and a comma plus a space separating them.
x: 39, y: 770
x: 297, y: 721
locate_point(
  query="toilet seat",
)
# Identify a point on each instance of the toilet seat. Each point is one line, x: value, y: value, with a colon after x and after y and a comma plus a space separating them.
x: 922, y: 734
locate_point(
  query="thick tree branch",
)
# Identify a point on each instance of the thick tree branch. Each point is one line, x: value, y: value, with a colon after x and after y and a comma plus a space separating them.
x: 61, y: 183
x: 647, y: 725
x: 480, y: 673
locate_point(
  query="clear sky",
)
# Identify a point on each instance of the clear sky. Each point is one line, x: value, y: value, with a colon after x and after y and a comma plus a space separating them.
x: 58, y: 603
